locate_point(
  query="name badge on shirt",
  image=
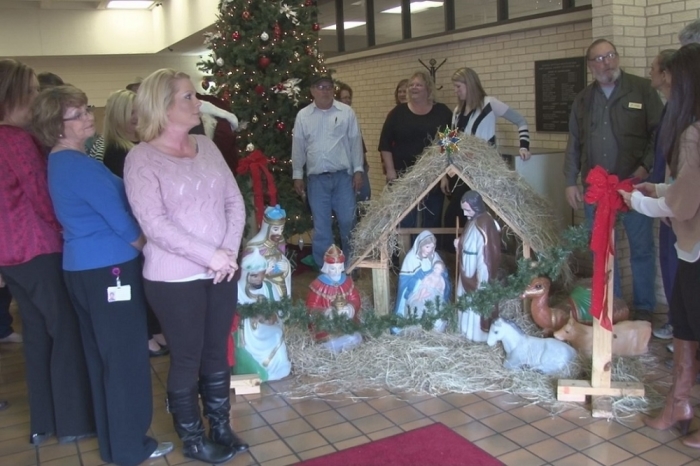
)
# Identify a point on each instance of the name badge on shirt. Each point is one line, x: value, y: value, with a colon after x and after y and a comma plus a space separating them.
x: 635, y: 105
x: 119, y: 292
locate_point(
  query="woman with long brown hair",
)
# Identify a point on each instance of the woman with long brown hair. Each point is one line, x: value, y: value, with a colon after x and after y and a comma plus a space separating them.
x: 678, y: 200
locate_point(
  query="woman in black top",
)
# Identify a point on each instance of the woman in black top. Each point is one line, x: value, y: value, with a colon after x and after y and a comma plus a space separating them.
x: 408, y: 130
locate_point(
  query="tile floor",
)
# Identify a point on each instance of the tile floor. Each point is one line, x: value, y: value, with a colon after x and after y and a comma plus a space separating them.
x: 284, y: 431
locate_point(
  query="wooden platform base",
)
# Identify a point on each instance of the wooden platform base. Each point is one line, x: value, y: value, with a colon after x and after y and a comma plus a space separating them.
x: 246, y: 384
x: 601, y: 397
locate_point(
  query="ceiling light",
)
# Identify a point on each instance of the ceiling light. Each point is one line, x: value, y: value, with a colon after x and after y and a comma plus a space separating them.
x: 130, y: 4
x: 415, y: 7
x: 347, y: 25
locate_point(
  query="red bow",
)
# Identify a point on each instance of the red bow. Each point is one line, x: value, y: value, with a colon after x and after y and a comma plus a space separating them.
x: 602, y: 191
x: 256, y: 165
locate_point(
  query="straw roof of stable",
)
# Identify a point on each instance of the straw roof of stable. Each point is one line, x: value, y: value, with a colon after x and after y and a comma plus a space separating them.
x: 484, y: 170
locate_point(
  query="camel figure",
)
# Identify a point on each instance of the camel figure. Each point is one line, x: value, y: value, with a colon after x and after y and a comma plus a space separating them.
x: 551, y: 319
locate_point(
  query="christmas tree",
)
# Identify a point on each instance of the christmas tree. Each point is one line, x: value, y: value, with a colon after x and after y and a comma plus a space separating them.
x: 263, y: 55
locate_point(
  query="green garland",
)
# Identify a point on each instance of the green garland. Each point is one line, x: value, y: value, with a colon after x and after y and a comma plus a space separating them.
x: 550, y: 263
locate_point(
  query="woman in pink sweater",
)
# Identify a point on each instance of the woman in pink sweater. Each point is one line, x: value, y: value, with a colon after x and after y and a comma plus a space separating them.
x: 192, y: 213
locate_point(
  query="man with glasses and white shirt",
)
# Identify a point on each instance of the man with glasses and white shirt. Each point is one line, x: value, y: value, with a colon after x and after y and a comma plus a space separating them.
x: 612, y: 125
x: 328, y: 143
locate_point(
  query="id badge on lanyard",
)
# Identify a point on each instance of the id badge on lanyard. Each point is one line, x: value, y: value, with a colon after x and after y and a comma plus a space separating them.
x: 119, y: 292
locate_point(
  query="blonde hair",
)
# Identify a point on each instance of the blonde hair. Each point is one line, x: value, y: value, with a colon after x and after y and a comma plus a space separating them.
x: 117, y: 117
x: 429, y: 84
x: 475, y: 91
x: 403, y: 83
x: 153, y: 99
x: 48, y: 110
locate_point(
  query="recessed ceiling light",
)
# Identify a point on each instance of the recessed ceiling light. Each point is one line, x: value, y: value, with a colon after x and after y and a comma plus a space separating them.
x: 130, y: 4
x: 415, y: 7
x: 347, y: 25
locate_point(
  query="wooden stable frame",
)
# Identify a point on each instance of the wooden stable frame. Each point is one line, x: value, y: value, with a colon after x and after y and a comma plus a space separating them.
x: 381, y: 267
x: 600, y: 387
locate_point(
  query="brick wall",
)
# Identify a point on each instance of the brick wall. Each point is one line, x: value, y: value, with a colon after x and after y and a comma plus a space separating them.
x: 505, y: 64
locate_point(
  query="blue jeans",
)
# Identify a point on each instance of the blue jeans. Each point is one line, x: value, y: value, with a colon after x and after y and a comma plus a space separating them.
x: 639, y: 229
x: 331, y: 193
x: 5, y: 316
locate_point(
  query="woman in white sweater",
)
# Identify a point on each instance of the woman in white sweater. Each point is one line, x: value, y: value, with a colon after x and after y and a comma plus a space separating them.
x: 678, y: 201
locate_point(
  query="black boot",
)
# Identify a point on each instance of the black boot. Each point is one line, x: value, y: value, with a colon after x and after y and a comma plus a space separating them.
x: 184, y: 407
x: 215, y: 391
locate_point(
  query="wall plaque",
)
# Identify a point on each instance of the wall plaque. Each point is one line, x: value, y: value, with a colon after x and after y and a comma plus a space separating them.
x: 556, y: 84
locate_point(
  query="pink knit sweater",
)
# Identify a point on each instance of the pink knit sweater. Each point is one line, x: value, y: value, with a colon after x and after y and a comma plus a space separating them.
x: 187, y: 208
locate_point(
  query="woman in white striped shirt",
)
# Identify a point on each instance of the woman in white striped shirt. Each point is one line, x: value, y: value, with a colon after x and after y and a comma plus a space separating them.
x: 476, y: 114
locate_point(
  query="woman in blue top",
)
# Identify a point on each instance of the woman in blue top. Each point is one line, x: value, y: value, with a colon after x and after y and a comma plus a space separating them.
x: 103, y: 275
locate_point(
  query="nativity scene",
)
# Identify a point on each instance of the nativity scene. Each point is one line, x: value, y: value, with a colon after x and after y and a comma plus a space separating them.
x: 437, y: 295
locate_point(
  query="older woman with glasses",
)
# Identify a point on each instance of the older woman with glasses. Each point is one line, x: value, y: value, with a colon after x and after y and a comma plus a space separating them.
x: 30, y: 263
x: 102, y: 269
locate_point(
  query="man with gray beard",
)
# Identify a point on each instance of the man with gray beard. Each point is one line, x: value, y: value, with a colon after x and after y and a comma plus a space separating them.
x: 612, y: 125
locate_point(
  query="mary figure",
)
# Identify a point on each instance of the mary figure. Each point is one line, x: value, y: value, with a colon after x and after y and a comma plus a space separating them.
x: 422, y: 278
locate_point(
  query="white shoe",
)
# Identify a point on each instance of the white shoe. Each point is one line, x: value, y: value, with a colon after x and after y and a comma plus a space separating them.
x: 162, y: 449
x: 669, y: 347
x: 665, y: 332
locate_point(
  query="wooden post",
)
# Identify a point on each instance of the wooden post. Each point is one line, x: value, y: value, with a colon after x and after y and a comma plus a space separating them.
x: 458, y: 254
x: 600, y: 386
x: 380, y: 281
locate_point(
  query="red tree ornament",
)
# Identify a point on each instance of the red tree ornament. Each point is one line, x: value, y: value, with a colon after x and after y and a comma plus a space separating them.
x: 226, y: 96
x: 263, y: 62
x: 280, y: 87
x: 309, y: 2
x: 277, y: 31
x: 280, y: 126
x: 235, y: 35
x: 316, y: 27
x: 246, y: 15
x: 260, y: 89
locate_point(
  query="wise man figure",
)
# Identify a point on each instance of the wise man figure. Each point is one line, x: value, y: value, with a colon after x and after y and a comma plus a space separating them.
x: 270, y: 241
x: 260, y: 345
x: 479, y: 250
x: 331, y: 293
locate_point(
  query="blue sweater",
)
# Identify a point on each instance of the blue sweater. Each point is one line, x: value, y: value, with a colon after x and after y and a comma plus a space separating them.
x: 91, y: 205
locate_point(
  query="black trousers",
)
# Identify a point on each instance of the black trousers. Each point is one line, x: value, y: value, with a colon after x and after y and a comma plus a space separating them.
x: 5, y: 316
x: 196, y: 318
x: 57, y: 379
x: 685, y: 301
x: 115, y: 341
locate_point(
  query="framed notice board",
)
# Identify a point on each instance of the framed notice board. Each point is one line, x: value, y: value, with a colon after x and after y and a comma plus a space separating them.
x: 556, y: 84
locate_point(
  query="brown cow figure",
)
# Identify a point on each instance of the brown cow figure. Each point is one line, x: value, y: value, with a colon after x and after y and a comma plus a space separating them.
x: 551, y: 319
x: 630, y: 338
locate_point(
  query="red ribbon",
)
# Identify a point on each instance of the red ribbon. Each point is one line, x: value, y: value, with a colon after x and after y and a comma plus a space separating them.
x: 256, y: 165
x: 603, y: 192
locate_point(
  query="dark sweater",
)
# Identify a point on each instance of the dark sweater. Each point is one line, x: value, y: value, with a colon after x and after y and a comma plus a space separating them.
x: 406, y: 134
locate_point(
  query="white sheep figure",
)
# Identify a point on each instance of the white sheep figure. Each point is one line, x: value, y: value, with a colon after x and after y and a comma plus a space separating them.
x: 546, y: 355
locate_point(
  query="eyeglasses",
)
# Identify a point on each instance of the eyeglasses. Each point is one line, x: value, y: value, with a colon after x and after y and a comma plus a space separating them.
x: 324, y: 87
x: 80, y: 115
x: 601, y: 58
